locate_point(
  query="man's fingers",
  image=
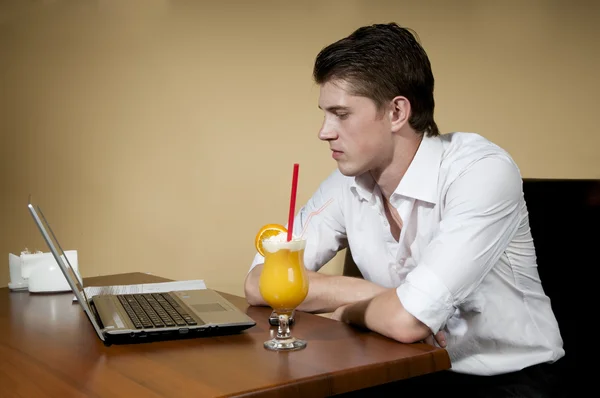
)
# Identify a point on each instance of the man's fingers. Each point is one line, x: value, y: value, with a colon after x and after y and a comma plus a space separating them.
x: 429, y: 340
x: 440, y: 337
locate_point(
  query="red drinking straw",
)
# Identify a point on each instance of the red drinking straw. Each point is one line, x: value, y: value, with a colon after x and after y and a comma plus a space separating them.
x: 293, y: 202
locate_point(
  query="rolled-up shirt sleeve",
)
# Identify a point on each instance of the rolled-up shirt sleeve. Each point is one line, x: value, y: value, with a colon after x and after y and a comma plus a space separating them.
x: 479, y: 217
x: 320, y: 221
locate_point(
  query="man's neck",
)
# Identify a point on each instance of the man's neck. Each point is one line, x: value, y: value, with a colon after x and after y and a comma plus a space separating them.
x: 388, y: 177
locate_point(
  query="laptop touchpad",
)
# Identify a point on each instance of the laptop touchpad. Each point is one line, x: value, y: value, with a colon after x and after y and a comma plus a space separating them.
x: 208, y: 307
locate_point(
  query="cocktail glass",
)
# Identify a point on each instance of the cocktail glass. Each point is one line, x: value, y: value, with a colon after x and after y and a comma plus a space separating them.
x: 283, y: 285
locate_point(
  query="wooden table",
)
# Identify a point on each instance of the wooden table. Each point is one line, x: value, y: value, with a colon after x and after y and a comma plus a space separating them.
x: 48, y: 348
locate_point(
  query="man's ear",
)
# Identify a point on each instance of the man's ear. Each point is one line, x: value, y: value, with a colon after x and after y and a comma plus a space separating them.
x: 399, y: 113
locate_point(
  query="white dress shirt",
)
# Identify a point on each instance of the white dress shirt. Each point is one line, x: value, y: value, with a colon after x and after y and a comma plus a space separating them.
x: 465, y: 261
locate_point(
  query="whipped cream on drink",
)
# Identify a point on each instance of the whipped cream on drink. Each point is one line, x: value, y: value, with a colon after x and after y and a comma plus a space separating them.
x: 279, y: 242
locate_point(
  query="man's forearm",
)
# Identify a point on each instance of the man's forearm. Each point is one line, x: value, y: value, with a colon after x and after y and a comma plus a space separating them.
x: 386, y: 315
x: 328, y: 292
x: 325, y: 292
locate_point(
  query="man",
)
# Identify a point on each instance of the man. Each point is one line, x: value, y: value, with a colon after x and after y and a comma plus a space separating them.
x: 437, y: 224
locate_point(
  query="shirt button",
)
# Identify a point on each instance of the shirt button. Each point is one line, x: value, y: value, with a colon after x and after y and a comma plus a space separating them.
x: 387, y: 224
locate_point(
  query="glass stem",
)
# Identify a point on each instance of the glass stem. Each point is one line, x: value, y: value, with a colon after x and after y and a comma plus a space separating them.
x: 283, y: 332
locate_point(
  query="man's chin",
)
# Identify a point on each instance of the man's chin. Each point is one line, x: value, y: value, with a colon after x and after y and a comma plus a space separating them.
x: 348, y: 170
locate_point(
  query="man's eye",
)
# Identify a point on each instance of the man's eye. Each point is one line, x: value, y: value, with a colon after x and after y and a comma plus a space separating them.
x: 342, y: 115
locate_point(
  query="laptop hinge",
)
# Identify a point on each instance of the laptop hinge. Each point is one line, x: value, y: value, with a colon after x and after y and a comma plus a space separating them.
x: 96, y: 314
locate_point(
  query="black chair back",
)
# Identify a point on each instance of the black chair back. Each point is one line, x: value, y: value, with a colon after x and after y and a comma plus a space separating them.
x: 564, y: 216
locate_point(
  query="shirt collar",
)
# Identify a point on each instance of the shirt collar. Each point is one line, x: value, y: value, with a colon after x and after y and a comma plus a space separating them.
x: 420, y: 180
x: 364, y: 186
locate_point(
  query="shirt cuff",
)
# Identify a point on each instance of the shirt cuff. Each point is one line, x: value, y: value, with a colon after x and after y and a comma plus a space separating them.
x: 426, y: 298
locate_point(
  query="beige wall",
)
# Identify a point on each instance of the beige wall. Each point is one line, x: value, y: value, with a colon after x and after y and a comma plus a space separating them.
x: 159, y: 138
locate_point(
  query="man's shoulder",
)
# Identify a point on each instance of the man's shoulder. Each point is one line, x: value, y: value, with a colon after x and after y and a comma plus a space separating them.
x: 464, y: 149
x: 336, y: 180
x: 333, y: 186
x: 471, y: 152
x: 331, y: 190
x: 466, y: 142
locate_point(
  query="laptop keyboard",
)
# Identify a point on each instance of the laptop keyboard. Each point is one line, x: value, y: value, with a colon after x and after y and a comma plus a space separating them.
x: 154, y: 310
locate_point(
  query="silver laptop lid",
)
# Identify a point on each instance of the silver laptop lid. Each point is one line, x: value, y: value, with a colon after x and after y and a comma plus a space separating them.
x: 66, y: 269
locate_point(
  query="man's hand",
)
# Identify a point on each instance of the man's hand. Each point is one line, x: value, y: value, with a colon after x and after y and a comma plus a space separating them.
x: 337, y: 314
x: 440, y: 338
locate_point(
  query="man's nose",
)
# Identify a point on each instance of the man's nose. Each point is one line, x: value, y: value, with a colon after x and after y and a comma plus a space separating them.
x: 327, y: 132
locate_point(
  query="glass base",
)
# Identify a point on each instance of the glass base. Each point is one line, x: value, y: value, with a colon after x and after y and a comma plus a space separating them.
x: 291, y: 344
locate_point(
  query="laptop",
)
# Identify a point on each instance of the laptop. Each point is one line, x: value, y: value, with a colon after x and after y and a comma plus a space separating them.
x: 145, y: 317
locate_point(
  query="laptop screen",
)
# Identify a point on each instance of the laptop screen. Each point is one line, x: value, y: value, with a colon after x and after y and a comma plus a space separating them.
x: 63, y: 262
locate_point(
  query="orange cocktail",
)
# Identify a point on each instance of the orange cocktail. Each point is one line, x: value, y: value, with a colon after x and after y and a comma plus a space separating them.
x: 283, y: 285
x: 283, y: 282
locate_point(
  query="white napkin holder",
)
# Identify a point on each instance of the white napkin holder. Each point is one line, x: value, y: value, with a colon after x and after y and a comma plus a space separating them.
x: 39, y: 273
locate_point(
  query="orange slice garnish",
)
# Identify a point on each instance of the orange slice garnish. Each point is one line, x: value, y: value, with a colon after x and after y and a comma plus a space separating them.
x: 267, y: 231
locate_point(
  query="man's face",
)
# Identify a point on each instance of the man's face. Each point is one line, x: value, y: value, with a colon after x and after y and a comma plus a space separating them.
x: 359, y: 135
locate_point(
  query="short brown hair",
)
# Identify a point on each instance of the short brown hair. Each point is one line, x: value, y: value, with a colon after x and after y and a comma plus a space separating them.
x: 380, y: 62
